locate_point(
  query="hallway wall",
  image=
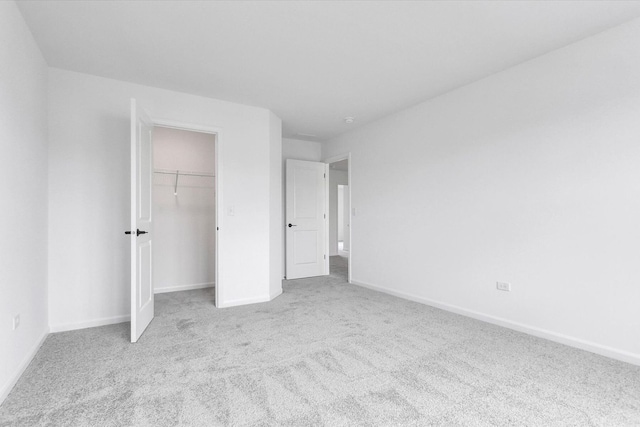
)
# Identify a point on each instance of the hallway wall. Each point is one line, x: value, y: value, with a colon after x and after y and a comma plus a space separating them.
x: 336, y: 177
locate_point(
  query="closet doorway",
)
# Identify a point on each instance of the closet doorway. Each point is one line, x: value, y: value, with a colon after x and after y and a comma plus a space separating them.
x: 184, y: 208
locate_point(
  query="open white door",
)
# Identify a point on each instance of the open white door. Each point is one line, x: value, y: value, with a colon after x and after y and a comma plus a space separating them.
x: 305, y: 219
x: 141, y: 247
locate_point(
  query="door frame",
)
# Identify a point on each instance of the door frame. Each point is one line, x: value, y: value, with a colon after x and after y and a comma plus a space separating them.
x: 346, y: 156
x: 172, y: 124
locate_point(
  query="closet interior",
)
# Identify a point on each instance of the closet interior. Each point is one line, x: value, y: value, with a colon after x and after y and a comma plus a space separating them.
x: 184, y: 209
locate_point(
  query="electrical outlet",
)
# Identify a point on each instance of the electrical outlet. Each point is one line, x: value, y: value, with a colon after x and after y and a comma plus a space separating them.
x: 16, y: 322
x: 503, y: 286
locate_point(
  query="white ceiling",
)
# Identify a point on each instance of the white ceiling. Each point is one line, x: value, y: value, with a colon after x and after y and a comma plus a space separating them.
x: 312, y: 63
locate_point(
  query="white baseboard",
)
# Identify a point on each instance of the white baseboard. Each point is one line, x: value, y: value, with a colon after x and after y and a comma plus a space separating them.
x: 246, y: 301
x: 62, y: 327
x: 275, y: 294
x: 184, y: 287
x: 6, y: 388
x: 602, y: 350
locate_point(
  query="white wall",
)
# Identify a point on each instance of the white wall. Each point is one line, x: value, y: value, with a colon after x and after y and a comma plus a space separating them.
x: 23, y: 216
x: 530, y: 176
x: 336, y: 177
x: 276, y: 223
x: 301, y: 150
x: 89, y: 194
x: 183, y: 224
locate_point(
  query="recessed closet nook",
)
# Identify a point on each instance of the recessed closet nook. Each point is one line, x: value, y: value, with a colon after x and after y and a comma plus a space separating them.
x: 184, y: 202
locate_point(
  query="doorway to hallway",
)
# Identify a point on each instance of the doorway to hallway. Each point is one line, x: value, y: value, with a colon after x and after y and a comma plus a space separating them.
x: 339, y: 218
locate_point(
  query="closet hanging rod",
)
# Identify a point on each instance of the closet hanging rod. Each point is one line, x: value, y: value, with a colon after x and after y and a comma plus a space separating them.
x: 187, y: 173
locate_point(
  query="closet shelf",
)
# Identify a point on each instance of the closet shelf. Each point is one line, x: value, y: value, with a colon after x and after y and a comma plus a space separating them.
x: 186, y: 173
x: 177, y: 173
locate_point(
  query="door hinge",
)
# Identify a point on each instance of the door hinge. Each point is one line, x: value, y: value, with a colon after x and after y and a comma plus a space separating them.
x: 325, y: 216
x: 325, y: 175
x: 325, y: 257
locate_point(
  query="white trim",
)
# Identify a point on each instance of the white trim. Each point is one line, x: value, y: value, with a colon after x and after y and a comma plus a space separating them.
x: 6, y: 389
x: 185, y: 126
x: 245, y: 301
x: 63, y: 327
x: 602, y: 350
x: 338, y: 158
x: 179, y: 288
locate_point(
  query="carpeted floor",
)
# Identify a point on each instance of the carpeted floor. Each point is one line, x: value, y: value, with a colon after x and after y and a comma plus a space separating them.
x: 339, y: 267
x: 323, y: 353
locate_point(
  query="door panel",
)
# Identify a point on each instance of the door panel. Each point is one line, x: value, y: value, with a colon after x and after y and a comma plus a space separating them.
x: 305, y: 244
x: 142, y: 303
x: 305, y: 212
x: 145, y: 290
x: 305, y: 198
x: 144, y: 177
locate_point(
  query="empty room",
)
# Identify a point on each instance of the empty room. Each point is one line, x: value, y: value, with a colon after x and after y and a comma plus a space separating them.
x: 367, y: 213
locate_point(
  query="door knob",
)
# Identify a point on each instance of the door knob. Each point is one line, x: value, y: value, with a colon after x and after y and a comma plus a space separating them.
x: 292, y: 225
x: 138, y: 232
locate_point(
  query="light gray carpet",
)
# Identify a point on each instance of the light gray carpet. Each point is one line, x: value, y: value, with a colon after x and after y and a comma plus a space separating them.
x: 339, y: 267
x: 323, y: 353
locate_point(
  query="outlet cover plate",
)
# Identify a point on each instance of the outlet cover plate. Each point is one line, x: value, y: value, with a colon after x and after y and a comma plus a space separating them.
x: 503, y: 286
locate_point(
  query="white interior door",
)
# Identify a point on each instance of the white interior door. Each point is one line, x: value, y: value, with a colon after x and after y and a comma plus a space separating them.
x: 346, y: 241
x: 141, y: 227
x: 305, y: 219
